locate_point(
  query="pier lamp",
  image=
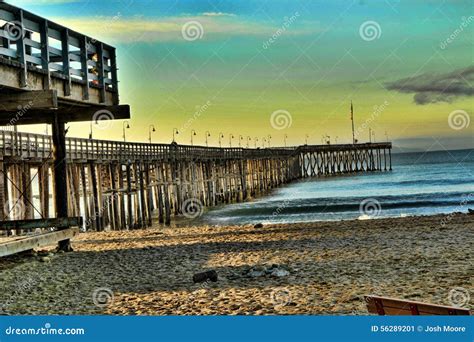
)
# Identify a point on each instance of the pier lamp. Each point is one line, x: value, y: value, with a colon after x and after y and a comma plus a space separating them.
x: 370, y: 135
x: 284, y: 138
x: 231, y: 136
x: 193, y: 133
x: 175, y: 131
x: 90, y: 133
x: 208, y: 134
x: 256, y: 141
x: 249, y: 139
x: 328, y: 140
x: 151, y: 129
x: 335, y: 139
x: 269, y: 139
x: 306, y: 139
x: 264, y: 140
x: 240, y: 140
x: 373, y: 136
x: 221, y: 136
x: 124, y: 126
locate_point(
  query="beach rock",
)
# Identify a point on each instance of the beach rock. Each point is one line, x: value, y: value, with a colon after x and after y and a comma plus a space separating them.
x: 470, y: 211
x: 279, y: 272
x: 204, y: 276
x: 258, y: 225
x: 45, y: 259
x: 257, y: 272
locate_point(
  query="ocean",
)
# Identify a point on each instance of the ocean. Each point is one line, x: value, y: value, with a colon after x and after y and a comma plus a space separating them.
x: 420, y: 184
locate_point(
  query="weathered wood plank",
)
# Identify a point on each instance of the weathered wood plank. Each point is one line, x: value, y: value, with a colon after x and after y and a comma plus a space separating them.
x: 27, y: 243
x: 41, y: 223
x: 29, y: 100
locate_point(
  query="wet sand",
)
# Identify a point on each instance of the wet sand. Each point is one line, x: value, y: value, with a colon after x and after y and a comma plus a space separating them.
x: 310, y: 268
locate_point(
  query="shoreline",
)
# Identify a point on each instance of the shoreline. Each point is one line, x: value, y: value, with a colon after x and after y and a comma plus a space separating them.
x: 301, y: 268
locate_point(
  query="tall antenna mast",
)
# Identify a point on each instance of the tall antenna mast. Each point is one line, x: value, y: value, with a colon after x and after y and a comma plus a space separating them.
x: 352, y: 119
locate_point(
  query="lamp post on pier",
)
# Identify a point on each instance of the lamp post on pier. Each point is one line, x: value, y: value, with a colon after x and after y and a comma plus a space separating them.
x: 208, y: 134
x: 231, y: 136
x: 151, y: 129
x: 284, y: 139
x: 269, y: 140
x: 221, y: 136
x: 193, y: 133
x: 264, y: 140
x: 123, y: 126
x: 256, y: 141
x: 306, y: 139
x: 249, y: 139
x: 175, y: 132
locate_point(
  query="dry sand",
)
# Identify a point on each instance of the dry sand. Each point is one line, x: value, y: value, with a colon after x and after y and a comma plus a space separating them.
x: 331, y: 266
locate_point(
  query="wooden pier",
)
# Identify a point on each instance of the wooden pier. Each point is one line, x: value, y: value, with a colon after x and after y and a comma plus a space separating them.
x: 118, y: 185
x: 50, y: 74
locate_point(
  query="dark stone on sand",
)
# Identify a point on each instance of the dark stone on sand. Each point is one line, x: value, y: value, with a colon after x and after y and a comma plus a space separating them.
x: 258, y: 225
x: 470, y: 211
x: 205, y: 276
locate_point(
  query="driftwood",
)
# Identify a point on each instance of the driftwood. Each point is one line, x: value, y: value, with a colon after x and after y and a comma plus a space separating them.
x: 205, y: 276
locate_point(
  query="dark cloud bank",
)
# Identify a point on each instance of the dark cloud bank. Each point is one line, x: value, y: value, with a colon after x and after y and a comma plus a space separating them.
x: 431, y: 88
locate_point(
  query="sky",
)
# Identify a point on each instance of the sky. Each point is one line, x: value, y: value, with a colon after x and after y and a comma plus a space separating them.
x: 285, y: 68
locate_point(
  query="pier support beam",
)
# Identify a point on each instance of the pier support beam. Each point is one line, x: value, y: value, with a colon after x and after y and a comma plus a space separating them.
x: 60, y: 176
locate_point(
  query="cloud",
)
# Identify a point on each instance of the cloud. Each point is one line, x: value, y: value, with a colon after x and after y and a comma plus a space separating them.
x: 432, y: 88
x: 218, y: 14
x: 121, y: 29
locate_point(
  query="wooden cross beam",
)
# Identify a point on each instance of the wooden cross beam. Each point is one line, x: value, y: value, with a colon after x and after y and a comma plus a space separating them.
x: 29, y: 100
x: 64, y: 113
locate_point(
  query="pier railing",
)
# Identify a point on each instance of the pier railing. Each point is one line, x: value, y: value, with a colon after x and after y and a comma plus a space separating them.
x: 31, y: 145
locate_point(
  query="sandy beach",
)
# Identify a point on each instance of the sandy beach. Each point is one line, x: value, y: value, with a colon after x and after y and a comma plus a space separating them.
x: 311, y: 268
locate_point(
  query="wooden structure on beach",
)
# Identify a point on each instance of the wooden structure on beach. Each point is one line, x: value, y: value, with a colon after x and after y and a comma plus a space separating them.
x: 122, y: 185
x: 50, y: 74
